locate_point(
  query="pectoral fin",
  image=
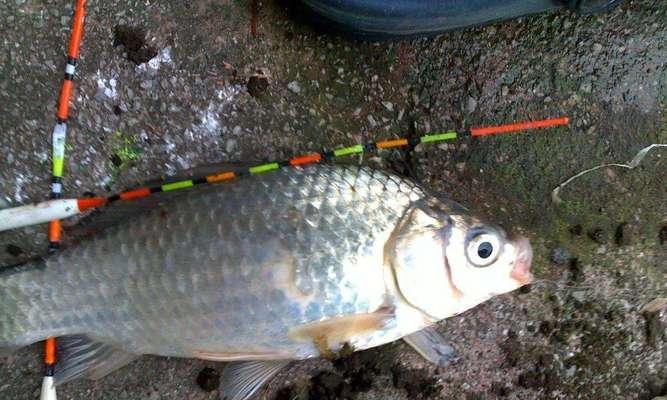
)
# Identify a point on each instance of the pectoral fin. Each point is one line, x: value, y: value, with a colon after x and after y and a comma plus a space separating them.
x: 79, y: 356
x: 432, y: 346
x: 240, y: 380
x: 333, y: 333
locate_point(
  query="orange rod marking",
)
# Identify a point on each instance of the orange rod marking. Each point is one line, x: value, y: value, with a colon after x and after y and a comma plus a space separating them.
x: 63, y: 101
x: 55, y: 231
x: 521, y: 126
x: 309, y: 159
x: 387, y: 144
x: 222, y: 177
x: 135, y: 194
x: 86, y: 204
x: 77, y: 29
x: 50, y: 351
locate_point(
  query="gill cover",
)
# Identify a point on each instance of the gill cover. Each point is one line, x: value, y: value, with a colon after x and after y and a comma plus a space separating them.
x: 418, y: 259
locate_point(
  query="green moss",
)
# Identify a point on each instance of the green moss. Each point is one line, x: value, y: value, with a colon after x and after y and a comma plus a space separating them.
x: 124, y: 150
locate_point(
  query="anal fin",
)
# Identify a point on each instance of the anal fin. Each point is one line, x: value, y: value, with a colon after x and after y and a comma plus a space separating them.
x: 240, y: 380
x: 79, y: 356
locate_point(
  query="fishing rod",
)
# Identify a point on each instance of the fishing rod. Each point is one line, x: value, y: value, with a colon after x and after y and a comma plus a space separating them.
x: 34, y: 214
x: 58, y: 138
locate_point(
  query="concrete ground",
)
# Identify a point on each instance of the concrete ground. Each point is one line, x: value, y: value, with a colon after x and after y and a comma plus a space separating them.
x: 201, y: 99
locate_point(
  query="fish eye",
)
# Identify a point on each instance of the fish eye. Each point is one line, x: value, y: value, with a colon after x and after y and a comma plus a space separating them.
x: 483, y: 248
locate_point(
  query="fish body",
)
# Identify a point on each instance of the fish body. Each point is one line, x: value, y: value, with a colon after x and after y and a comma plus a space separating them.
x: 290, y: 265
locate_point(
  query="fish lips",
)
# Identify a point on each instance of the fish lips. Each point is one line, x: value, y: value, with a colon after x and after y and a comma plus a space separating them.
x: 524, y: 257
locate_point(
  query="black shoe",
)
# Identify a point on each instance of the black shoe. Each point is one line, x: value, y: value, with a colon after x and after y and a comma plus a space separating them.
x: 592, y: 6
x: 388, y: 18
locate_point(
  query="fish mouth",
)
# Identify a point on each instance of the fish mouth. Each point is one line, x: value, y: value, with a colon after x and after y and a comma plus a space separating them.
x: 524, y: 257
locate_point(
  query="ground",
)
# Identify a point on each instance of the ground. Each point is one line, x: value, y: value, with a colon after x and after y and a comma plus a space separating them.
x: 229, y: 82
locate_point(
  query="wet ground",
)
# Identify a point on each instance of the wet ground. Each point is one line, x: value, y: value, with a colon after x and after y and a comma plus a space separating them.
x: 226, y: 83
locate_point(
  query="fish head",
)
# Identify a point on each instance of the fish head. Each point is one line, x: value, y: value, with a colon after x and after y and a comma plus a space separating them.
x: 445, y: 263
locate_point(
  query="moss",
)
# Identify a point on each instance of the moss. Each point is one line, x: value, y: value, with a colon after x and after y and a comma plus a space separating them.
x: 124, y: 152
x: 125, y: 148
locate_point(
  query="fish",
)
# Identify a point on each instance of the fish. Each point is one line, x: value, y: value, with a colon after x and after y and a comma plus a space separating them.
x: 260, y: 272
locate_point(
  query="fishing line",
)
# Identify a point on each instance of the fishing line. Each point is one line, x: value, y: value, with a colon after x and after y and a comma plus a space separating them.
x: 555, y: 193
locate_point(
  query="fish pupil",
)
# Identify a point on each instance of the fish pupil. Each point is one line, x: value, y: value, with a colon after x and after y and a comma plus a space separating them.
x: 485, y: 250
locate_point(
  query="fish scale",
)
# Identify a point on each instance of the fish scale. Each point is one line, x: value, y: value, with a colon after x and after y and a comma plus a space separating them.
x: 318, y: 232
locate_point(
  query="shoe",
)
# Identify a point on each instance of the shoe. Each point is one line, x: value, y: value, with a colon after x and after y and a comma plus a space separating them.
x: 390, y: 18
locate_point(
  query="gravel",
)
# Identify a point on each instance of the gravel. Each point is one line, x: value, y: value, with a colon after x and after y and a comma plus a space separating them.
x: 576, y: 333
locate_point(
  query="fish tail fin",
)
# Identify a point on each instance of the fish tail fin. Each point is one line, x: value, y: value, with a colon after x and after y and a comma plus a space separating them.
x: 80, y: 356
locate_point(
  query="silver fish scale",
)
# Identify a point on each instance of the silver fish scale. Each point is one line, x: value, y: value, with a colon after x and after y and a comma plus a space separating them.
x: 226, y: 269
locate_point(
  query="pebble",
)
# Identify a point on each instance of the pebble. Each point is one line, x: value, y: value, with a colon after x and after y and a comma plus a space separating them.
x: 653, y: 313
x: 654, y: 306
x: 294, y: 87
x: 231, y: 145
x: 560, y: 256
x: 579, y: 296
x: 586, y: 87
x: 471, y: 105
